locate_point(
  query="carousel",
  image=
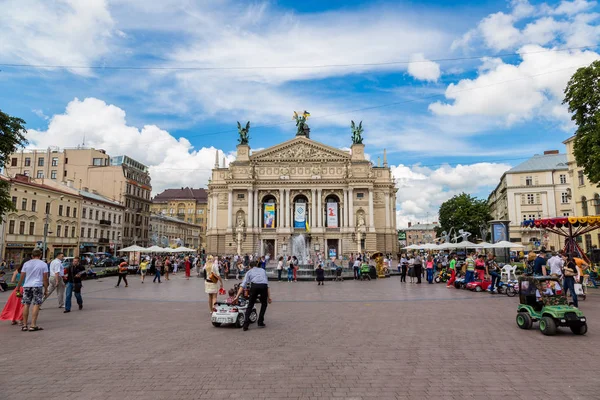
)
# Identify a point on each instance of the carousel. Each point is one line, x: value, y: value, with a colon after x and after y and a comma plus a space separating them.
x: 568, y: 227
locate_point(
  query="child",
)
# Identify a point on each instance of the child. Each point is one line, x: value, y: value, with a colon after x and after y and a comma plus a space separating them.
x: 231, y: 298
x: 320, y: 275
x: 3, y: 285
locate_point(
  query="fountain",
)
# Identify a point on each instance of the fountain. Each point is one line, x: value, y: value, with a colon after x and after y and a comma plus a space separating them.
x: 300, y: 249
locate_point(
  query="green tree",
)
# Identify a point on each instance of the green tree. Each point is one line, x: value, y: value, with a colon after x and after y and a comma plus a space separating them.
x: 13, y: 131
x: 463, y: 212
x: 582, y: 94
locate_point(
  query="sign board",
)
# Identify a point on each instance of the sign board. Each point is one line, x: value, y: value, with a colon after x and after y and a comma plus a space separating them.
x: 300, y: 215
x: 269, y: 215
x: 499, y: 231
x: 401, y: 235
x: 332, y: 215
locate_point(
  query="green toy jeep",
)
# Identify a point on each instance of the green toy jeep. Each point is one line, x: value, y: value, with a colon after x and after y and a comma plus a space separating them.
x: 542, y: 299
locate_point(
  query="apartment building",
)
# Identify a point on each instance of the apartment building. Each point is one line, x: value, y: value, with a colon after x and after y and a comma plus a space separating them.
x: 166, y: 231
x: 536, y: 188
x: 585, y: 198
x: 120, y: 178
x: 186, y: 204
x: 39, y: 204
x: 420, y: 233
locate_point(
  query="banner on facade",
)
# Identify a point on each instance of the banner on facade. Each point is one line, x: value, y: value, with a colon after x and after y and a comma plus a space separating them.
x: 270, y: 215
x: 332, y: 215
x: 300, y: 215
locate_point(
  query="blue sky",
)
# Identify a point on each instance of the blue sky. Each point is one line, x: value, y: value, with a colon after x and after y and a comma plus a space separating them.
x: 448, y: 125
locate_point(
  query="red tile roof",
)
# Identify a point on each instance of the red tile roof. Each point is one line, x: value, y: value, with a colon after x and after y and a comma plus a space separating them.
x: 186, y: 193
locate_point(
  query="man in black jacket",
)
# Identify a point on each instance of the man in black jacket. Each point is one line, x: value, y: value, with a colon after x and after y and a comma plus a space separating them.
x: 74, y: 284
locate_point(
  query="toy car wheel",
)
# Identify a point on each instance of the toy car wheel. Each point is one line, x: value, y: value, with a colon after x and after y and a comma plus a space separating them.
x: 583, y: 296
x: 524, y: 320
x: 511, y: 292
x: 437, y: 279
x: 239, y: 321
x: 579, y: 329
x: 253, y: 316
x: 478, y: 288
x: 547, y: 326
x: 217, y: 324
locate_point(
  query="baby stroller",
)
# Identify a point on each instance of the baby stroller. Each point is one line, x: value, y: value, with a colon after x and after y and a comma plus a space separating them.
x: 365, y: 269
x: 338, y: 274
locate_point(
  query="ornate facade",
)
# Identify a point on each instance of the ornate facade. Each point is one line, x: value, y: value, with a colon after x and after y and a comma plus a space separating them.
x: 337, y: 201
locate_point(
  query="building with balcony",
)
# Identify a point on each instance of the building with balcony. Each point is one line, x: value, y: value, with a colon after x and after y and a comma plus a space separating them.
x: 186, y: 204
x: 38, y: 203
x: 420, y: 233
x: 537, y: 188
x: 101, y: 225
x: 166, y: 231
x: 585, y: 197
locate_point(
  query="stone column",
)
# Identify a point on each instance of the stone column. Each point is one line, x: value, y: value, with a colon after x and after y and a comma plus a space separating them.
x: 387, y: 210
x: 215, y: 205
x: 351, y: 207
x: 229, y: 208
x: 312, y: 208
x: 208, y: 220
x: 281, y: 207
x: 288, y: 209
x: 256, y: 210
x: 371, y: 213
x: 250, y: 213
x: 345, y: 212
x: 320, y: 207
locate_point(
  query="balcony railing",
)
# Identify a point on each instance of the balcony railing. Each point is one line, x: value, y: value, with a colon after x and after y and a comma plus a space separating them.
x: 103, y: 240
x: 105, y: 222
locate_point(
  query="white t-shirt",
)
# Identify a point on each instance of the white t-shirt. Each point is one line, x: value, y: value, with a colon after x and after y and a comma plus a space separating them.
x: 556, y: 264
x: 56, y: 267
x: 279, y: 265
x: 34, y: 273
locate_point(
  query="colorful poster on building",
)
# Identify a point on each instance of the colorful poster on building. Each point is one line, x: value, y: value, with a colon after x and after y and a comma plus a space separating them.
x: 269, y: 215
x: 332, y: 215
x: 499, y: 232
x: 300, y: 215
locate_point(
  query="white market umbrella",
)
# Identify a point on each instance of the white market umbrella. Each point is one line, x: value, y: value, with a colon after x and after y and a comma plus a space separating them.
x: 486, y: 245
x: 182, y: 249
x: 465, y: 244
x: 411, y: 247
x: 132, y: 248
x: 507, y: 245
x: 155, y: 249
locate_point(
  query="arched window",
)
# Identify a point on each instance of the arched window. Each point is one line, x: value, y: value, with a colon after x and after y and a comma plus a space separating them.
x: 597, y: 204
x: 332, y: 211
x: 584, y: 206
x: 269, y: 212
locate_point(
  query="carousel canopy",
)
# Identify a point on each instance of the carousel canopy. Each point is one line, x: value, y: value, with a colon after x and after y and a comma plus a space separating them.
x: 565, y: 226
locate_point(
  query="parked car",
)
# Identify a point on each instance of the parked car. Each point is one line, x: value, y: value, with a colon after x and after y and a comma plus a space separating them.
x: 106, y: 262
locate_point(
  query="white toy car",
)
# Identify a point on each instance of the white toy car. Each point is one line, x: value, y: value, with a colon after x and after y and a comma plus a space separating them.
x: 224, y: 313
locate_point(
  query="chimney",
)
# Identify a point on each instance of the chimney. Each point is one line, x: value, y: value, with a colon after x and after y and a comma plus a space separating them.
x: 409, y: 224
x: 547, y: 152
x: 69, y: 183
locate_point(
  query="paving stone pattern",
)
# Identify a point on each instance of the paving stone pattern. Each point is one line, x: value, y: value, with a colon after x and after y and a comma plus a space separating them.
x: 349, y: 340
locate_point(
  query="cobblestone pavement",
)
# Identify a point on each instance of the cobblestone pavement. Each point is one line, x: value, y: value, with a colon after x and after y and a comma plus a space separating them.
x: 350, y: 340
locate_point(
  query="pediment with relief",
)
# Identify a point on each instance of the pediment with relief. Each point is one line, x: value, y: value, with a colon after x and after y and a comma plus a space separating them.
x: 300, y: 149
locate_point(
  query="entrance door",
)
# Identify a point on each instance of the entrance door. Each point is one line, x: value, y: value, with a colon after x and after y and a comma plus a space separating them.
x: 269, y: 247
x: 333, y: 248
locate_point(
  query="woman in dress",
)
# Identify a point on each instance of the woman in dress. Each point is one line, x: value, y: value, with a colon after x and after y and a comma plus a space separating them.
x: 13, y: 310
x: 295, y: 261
x: 188, y: 268
x: 212, y: 288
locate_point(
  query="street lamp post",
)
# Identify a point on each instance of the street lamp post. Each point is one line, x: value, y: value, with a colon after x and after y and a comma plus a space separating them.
x: 46, y: 225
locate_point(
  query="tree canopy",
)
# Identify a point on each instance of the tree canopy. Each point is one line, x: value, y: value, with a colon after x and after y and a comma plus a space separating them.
x: 582, y: 94
x: 12, y: 137
x: 464, y: 212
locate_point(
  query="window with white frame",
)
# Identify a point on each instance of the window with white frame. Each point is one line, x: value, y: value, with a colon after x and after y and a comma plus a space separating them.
x: 530, y: 198
x: 528, y: 181
x: 563, y: 179
x: 564, y: 197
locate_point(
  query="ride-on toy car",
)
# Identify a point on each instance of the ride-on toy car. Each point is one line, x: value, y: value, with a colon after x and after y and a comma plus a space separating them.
x: 551, y: 310
x: 224, y: 313
x: 479, y: 286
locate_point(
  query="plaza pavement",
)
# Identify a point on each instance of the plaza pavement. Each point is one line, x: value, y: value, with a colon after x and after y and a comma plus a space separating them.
x: 350, y: 340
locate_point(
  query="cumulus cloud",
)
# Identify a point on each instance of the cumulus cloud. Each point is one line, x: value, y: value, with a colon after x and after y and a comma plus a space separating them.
x: 421, y: 190
x: 173, y: 161
x: 515, y: 92
x: 61, y: 32
x: 423, y: 69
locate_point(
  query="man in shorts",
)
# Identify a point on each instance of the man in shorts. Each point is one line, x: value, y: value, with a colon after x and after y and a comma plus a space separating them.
x: 34, y: 279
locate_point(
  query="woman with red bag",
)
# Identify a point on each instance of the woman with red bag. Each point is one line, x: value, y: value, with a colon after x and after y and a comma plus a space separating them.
x: 13, y: 310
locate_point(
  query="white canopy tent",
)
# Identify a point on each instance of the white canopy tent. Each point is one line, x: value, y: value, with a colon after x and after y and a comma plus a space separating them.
x: 157, y: 249
x: 132, y: 248
x: 182, y: 249
x: 507, y: 245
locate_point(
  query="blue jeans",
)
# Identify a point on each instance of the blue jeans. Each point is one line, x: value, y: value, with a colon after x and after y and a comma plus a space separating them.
x: 569, y: 284
x: 68, y: 295
x: 290, y: 276
x: 469, y: 277
x: 430, y: 275
x: 495, y: 279
x: 157, y: 275
x: 279, y: 274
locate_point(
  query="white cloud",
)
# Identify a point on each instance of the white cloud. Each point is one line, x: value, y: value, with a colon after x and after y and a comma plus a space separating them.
x: 61, y: 32
x: 423, y: 69
x: 516, y: 92
x: 422, y: 190
x: 498, y: 31
x: 173, y: 162
x: 573, y: 7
